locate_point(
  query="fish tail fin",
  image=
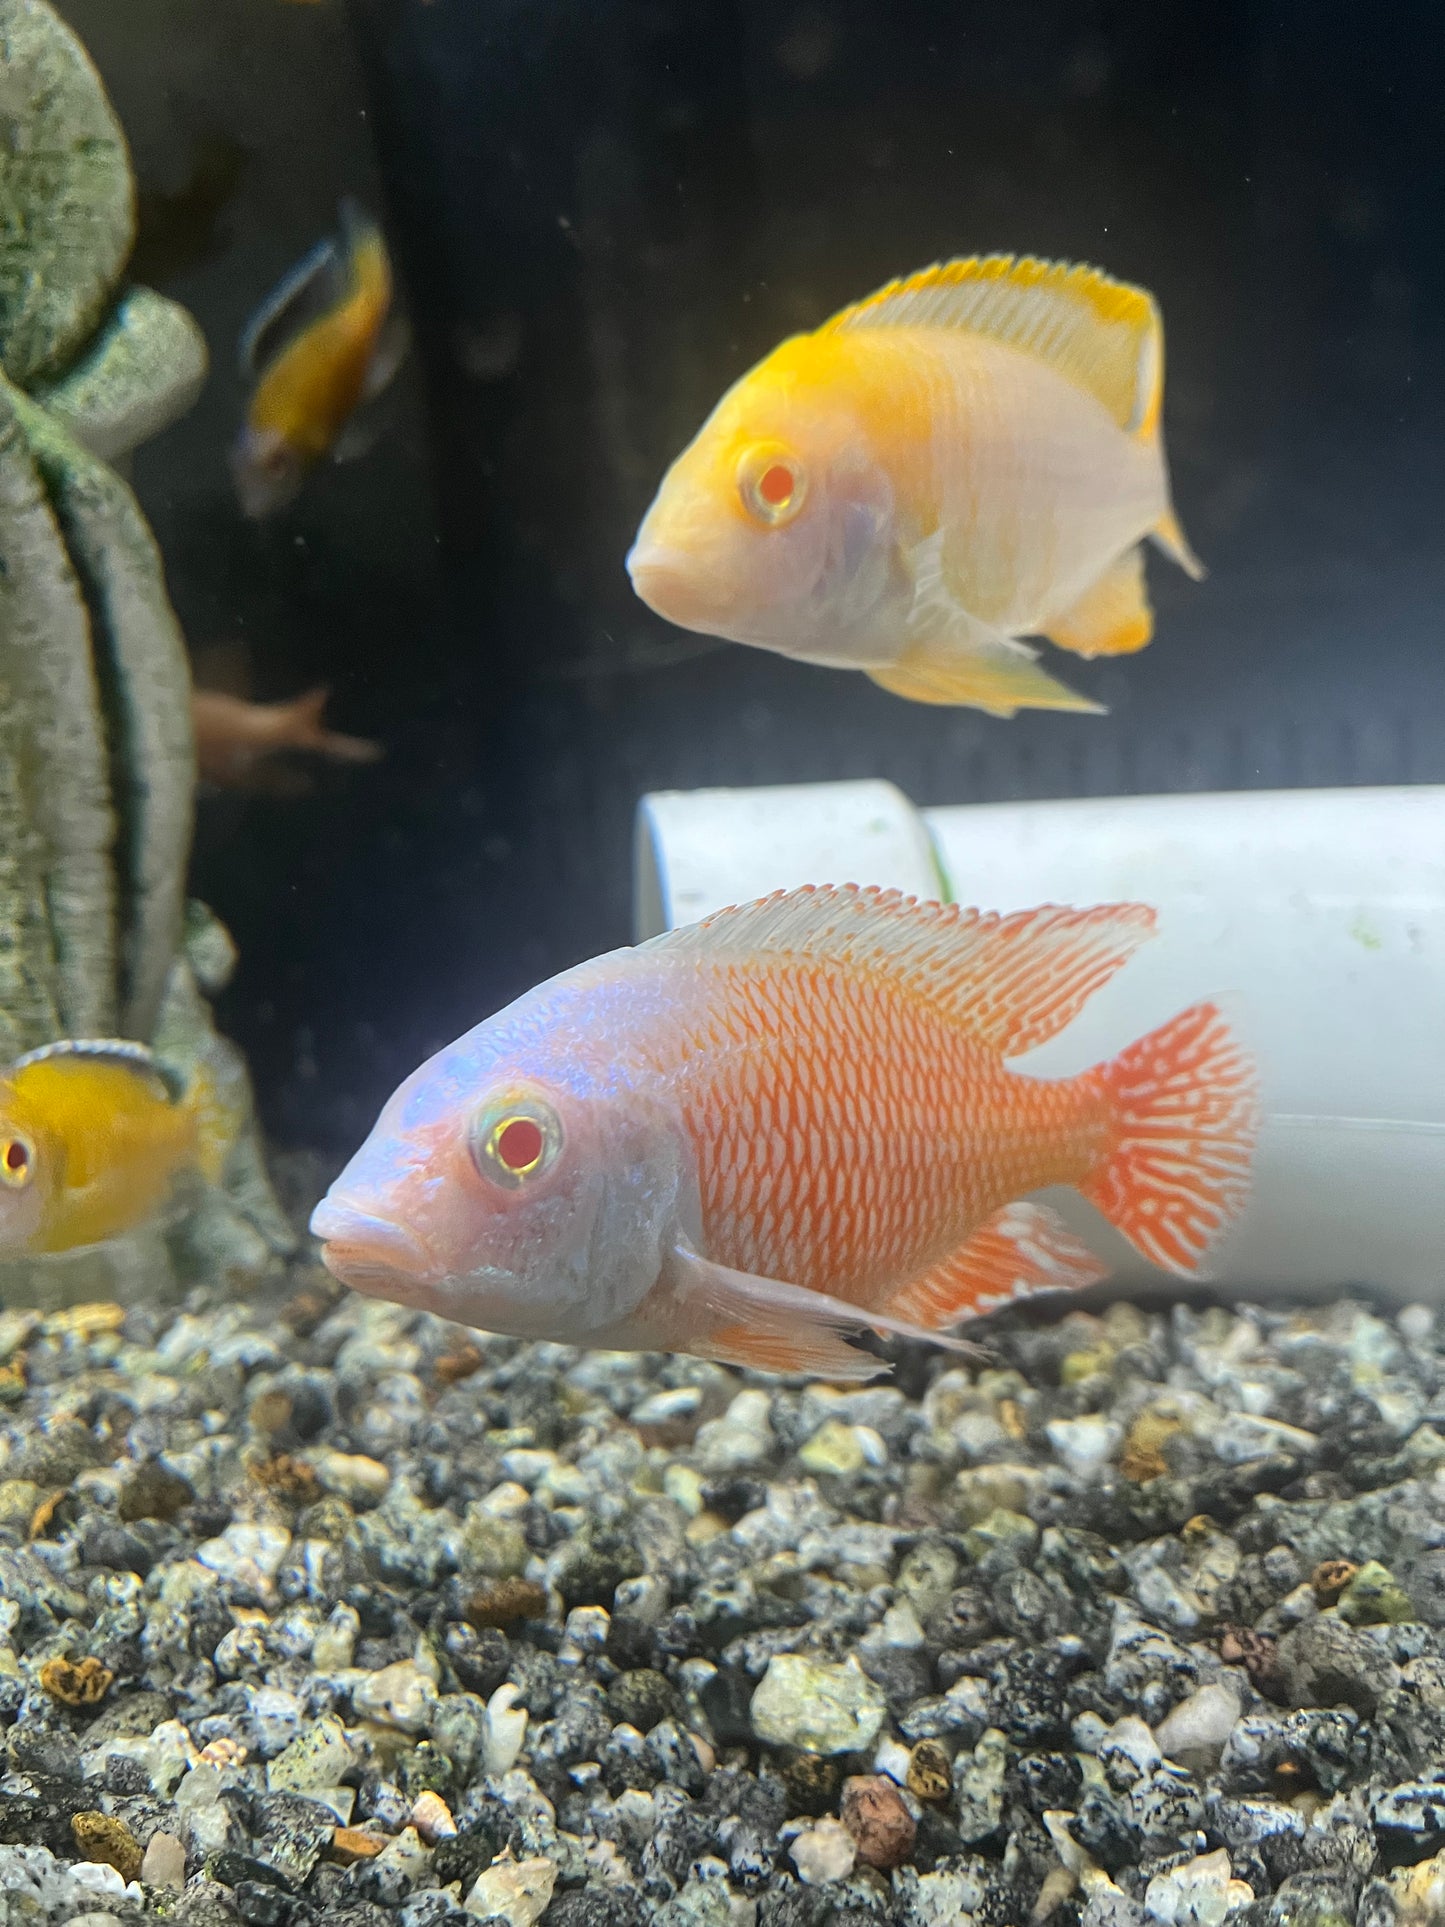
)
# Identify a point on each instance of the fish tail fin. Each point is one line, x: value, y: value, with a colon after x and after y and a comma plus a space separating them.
x: 214, y: 1127
x: 1148, y: 428
x: 1181, y: 1105
x: 306, y: 729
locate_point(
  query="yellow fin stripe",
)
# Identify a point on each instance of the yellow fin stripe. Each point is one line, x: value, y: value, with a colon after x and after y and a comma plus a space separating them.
x: 1102, y: 334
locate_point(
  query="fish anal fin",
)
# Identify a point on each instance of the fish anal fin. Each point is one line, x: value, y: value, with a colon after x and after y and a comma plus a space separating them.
x: 1103, y: 335
x: 1112, y: 617
x: 1013, y: 981
x: 1022, y: 1249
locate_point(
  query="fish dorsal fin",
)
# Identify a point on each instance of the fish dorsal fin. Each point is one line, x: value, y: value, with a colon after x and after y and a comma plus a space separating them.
x: 122, y: 1051
x: 1013, y: 981
x: 1103, y: 335
x: 310, y: 289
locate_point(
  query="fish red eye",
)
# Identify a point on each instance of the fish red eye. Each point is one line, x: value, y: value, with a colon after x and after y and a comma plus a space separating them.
x: 519, y: 1143
x: 771, y: 484
x: 775, y: 485
x: 515, y: 1137
x: 15, y: 1155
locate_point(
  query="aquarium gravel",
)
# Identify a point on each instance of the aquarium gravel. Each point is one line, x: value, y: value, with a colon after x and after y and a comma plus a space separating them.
x: 317, y: 1609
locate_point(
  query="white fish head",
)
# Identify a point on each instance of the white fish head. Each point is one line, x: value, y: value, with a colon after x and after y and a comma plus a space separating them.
x: 267, y: 471
x: 514, y: 1182
x: 26, y: 1182
x: 774, y: 526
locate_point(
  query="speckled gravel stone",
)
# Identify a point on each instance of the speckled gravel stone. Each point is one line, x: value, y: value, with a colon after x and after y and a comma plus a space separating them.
x: 1141, y: 1620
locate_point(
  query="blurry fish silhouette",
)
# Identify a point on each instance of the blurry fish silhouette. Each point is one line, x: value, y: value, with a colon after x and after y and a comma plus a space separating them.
x: 93, y: 1135
x: 234, y: 736
x: 969, y: 456
x: 795, y: 1118
x: 321, y: 347
x: 177, y: 231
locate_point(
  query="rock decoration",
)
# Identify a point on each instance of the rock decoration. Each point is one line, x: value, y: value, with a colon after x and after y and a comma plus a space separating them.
x: 97, y: 762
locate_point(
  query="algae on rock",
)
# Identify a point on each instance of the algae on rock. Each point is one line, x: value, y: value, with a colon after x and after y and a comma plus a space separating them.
x: 97, y: 758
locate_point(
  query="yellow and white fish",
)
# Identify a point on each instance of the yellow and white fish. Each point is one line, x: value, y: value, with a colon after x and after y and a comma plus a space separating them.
x: 325, y: 343
x: 970, y: 456
x: 94, y: 1133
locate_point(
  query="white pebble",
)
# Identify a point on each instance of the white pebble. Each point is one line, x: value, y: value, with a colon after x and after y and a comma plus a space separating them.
x: 1085, y: 1444
x: 164, y: 1864
x: 824, y: 1853
x: 517, y: 1891
x: 246, y: 1554
x: 1201, y: 1893
x: 506, y: 1730
x: 1194, y: 1731
x: 432, y: 1818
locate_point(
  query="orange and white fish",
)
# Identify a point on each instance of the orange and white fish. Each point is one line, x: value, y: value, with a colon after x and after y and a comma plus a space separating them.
x: 233, y: 736
x: 969, y: 456
x: 795, y: 1118
x: 320, y: 347
x: 94, y: 1133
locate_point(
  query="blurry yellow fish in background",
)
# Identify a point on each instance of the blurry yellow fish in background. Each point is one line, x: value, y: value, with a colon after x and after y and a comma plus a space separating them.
x: 969, y: 456
x: 321, y: 346
x: 93, y: 1135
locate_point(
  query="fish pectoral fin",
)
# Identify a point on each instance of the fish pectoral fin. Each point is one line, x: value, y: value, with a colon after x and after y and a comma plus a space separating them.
x: 1112, y: 617
x: 1022, y: 1249
x: 391, y: 350
x: 739, y: 1318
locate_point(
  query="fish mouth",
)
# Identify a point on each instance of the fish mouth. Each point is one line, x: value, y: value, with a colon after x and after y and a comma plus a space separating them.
x: 672, y: 586
x: 362, y: 1249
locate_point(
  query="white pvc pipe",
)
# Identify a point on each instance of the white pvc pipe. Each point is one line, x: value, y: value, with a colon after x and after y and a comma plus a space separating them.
x: 1317, y: 918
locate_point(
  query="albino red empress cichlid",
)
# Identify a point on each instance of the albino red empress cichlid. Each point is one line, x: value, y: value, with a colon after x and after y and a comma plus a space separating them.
x: 792, y: 1119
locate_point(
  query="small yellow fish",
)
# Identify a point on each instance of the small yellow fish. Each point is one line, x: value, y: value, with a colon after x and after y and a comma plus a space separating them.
x: 971, y: 455
x: 93, y: 1134
x: 322, y: 345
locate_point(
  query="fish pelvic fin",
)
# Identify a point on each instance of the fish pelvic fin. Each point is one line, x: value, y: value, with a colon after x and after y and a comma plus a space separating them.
x: 1183, y: 1118
x: 1103, y: 335
x: 1112, y: 617
x: 1022, y: 1249
x: 739, y: 1318
x: 1012, y: 981
x: 1001, y: 680
x: 950, y: 657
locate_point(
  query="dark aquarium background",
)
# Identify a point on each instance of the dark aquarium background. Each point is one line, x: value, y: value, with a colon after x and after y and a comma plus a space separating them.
x: 602, y: 213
